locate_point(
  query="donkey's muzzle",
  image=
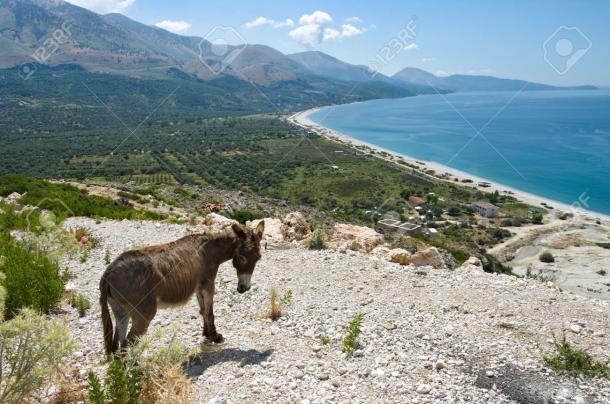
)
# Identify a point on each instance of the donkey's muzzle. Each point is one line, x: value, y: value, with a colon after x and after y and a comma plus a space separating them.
x: 242, y: 288
x: 244, y: 283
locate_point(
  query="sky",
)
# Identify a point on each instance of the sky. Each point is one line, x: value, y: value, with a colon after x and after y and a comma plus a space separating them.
x: 558, y: 42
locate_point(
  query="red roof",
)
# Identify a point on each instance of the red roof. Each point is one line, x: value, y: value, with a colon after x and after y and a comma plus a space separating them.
x: 416, y: 200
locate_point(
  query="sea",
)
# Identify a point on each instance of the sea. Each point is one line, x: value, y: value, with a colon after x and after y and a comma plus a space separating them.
x: 555, y: 144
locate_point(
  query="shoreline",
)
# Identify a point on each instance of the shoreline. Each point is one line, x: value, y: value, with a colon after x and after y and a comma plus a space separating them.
x: 302, y: 119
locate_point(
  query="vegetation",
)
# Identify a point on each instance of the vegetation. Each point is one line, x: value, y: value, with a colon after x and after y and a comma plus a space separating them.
x: 546, y: 257
x: 568, y: 358
x: 275, y: 305
x: 316, y: 240
x: 32, y: 346
x: 65, y: 200
x: 122, y: 385
x: 350, y: 341
x: 30, y: 279
x: 287, y: 298
x: 604, y: 245
x: 146, y: 375
x: 81, y: 303
x: 325, y: 340
x: 245, y: 215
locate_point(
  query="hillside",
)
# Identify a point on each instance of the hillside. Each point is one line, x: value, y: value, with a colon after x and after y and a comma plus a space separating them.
x: 462, y: 82
x: 427, y: 334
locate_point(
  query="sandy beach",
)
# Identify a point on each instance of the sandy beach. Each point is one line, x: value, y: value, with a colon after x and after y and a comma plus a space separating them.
x: 582, y: 266
x: 578, y: 208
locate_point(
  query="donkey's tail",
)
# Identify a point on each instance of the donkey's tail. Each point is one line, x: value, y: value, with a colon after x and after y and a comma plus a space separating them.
x: 106, y: 319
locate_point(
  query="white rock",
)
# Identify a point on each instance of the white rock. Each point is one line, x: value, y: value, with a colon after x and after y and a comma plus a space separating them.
x: 423, y: 388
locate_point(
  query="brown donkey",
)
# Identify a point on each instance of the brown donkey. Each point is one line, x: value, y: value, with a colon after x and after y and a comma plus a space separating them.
x: 139, y: 282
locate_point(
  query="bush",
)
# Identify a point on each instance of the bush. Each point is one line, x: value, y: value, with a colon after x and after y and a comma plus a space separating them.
x: 81, y: 303
x: 317, y: 240
x: 325, y: 340
x: 275, y: 305
x: 350, y: 341
x: 245, y: 215
x: 31, y: 348
x: 122, y: 386
x: 546, y: 257
x: 30, y: 278
x: 537, y: 218
x: 574, y: 360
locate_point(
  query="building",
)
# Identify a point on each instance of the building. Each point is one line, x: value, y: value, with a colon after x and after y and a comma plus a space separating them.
x: 485, y: 209
x: 395, y: 225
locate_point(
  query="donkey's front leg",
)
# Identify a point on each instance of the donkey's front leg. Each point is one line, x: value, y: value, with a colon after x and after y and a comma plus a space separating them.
x: 205, y: 296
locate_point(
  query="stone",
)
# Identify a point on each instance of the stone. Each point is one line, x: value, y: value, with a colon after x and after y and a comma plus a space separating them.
x: 472, y: 264
x: 294, y: 227
x: 400, y: 256
x: 389, y: 326
x: 273, y: 229
x: 423, y: 388
x: 215, y: 222
x: 355, y: 238
x: 575, y: 328
x: 440, y: 365
x: 429, y: 257
x: 381, y: 251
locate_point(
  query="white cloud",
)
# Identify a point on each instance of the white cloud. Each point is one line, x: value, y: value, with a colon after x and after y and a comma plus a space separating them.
x: 310, y: 34
x: 427, y: 60
x: 177, y: 27
x: 260, y: 21
x: 103, y: 6
x: 442, y: 73
x: 316, y: 27
x: 411, y: 46
x: 348, y: 30
x: 317, y: 17
x: 481, y: 71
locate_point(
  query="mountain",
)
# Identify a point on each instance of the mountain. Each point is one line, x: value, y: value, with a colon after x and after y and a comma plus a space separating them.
x: 461, y: 82
x: 326, y: 65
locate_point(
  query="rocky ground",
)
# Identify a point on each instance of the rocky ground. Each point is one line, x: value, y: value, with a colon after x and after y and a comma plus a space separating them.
x: 428, y: 335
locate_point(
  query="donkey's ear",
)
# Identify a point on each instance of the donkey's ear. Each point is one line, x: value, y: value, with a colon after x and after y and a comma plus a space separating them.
x: 238, y: 230
x: 260, y: 229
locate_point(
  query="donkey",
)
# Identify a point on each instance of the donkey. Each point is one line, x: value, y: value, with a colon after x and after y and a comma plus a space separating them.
x: 141, y: 281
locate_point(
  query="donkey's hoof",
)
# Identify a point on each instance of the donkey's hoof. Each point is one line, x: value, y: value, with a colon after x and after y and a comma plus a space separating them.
x: 216, y: 338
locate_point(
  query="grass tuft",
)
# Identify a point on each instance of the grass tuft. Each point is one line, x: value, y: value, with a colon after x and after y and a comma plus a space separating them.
x: 570, y: 359
x: 350, y: 341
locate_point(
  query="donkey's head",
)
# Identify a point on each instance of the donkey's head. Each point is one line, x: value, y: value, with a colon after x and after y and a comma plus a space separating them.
x: 248, y: 252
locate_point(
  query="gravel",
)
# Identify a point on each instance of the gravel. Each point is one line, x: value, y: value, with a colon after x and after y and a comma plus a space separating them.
x: 424, y: 339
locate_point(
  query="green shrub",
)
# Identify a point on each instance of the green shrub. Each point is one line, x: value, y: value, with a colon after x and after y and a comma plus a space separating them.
x: 537, y: 218
x: 350, y: 341
x: 123, y: 385
x: 546, y: 257
x: 31, y: 348
x: 66, y: 200
x: 325, y: 340
x: 317, y: 240
x: 107, y: 258
x: 287, y: 298
x: 574, y: 360
x: 245, y: 215
x: 81, y: 303
x: 30, y: 278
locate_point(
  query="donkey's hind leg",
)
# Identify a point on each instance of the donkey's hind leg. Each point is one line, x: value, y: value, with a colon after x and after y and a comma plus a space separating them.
x: 121, y: 317
x: 141, y: 316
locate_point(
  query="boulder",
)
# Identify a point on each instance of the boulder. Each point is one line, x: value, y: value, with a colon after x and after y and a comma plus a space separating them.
x: 356, y: 238
x: 381, y: 251
x: 215, y: 222
x: 472, y: 264
x: 399, y: 256
x: 13, y: 198
x: 295, y: 227
x: 273, y: 229
x: 428, y: 257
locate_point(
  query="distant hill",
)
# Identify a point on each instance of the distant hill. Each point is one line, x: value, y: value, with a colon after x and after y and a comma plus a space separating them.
x: 461, y: 82
x: 106, y: 46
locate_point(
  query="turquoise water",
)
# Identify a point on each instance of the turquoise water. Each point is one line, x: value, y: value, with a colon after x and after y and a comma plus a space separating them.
x: 553, y: 143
